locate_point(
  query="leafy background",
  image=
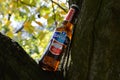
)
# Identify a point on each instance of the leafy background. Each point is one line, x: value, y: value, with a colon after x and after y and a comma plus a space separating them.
x: 31, y: 22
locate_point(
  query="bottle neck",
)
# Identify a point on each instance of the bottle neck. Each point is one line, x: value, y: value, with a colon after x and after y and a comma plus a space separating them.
x: 71, y: 15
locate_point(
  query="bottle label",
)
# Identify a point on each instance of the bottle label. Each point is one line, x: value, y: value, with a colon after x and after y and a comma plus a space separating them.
x: 60, y: 37
x: 59, y: 40
x: 70, y: 14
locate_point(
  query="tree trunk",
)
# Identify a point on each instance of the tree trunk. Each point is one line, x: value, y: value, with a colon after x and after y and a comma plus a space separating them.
x: 96, y: 45
x: 94, y: 54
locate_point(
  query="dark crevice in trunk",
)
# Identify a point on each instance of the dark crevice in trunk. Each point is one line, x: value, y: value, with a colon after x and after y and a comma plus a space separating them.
x: 93, y: 39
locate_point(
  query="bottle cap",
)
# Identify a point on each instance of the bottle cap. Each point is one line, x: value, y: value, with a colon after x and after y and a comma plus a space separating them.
x: 75, y: 6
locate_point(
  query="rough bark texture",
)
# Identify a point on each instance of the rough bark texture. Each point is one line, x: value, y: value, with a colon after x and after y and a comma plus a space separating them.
x: 96, y: 46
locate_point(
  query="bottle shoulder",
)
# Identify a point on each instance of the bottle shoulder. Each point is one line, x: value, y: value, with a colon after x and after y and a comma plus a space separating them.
x: 60, y: 28
x: 66, y: 26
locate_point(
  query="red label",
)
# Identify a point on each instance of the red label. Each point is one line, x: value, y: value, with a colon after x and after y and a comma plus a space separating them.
x: 56, y: 47
x: 70, y: 14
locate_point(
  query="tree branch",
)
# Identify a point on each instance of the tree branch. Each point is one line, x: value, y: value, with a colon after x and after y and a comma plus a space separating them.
x: 59, y: 6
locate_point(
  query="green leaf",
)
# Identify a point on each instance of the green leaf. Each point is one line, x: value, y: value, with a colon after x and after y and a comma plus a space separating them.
x: 44, y: 10
x: 28, y: 27
x: 50, y: 20
x: 10, y: 34
x: 42, y: 35
x: 29, y: 2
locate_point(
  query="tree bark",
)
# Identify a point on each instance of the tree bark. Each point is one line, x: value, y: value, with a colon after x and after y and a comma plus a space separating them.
x: 96, y: 45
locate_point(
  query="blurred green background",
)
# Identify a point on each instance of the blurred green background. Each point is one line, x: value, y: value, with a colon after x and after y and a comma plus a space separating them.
x: 31, y: 22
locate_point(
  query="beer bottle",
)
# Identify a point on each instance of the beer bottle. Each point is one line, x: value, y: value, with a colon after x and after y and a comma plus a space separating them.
x: 61, y: 38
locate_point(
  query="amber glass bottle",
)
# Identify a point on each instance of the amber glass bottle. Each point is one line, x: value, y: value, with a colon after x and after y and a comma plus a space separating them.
x: 61, y: 38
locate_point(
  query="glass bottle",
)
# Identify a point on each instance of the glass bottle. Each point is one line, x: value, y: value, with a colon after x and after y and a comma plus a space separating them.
x: 61, y: 38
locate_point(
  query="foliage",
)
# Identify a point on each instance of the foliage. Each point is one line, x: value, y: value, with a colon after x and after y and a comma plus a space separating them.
x: 31, y: 22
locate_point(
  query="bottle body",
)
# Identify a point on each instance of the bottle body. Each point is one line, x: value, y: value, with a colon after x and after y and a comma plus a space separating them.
x: 59, y: 42
x: 61, y: 38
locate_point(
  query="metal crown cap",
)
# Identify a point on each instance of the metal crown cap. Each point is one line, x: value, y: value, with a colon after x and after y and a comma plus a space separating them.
x: 76, y: 6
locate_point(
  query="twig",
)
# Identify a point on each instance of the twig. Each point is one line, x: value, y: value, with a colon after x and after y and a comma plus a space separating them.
x: 9, y: 16
x: 20, y: 29
x: 54, y: 14
x: 59, y: 6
